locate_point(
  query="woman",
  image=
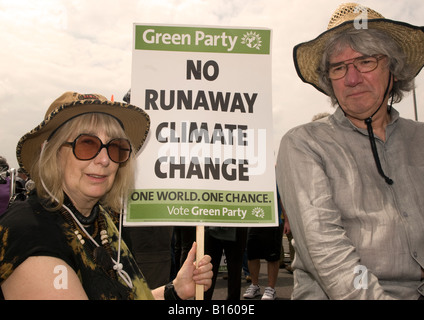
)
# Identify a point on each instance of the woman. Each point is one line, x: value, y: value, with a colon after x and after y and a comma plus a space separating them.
x: 65, y: 241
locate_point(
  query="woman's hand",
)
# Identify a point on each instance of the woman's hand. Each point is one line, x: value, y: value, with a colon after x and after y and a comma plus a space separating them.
x: 189, y: 276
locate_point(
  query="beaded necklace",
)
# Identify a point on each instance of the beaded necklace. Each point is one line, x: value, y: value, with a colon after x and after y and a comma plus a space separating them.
x: 102, y: 254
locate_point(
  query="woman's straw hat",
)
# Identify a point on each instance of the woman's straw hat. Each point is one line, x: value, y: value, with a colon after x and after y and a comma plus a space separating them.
x: 307, y: 56
x: 133, y: 120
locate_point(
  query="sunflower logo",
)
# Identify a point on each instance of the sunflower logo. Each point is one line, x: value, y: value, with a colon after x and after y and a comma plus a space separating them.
x: 252, y: 40
x: 258, y: 212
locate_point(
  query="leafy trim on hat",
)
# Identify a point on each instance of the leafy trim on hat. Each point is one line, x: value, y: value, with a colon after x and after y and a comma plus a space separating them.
x: 38, y: 129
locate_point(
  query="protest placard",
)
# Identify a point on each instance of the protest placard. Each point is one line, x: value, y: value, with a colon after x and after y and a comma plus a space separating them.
x: 209, y: 158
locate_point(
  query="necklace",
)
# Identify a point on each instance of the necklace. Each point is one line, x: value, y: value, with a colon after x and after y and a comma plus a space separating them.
x: 102, y: 255
x: 81, y: 218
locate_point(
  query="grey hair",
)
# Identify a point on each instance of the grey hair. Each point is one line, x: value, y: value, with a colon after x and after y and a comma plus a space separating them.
x: 369, y: 42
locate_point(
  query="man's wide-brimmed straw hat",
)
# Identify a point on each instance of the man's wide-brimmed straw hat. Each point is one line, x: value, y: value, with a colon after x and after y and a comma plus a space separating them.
x: 307, y: 56
x: 135, y: 122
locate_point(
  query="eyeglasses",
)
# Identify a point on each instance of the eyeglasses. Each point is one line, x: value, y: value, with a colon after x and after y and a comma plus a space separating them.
x: 363, y: 64
x: 87, y: 147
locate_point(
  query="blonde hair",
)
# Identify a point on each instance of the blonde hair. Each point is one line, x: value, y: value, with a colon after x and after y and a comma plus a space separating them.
x: 49, y: 170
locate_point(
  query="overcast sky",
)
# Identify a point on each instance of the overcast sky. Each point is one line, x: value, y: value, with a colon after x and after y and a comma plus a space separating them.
x: 52, y: 46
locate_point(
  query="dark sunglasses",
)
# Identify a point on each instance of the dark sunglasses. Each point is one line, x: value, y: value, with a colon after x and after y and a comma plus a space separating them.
x: 87, y: 147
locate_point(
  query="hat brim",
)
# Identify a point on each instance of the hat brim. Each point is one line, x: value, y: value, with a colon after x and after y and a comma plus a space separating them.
x: 135, y: 121
x: 307, y: 55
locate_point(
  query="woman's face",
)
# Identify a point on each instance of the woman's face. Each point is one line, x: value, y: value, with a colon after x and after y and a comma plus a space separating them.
x: 86, y: 181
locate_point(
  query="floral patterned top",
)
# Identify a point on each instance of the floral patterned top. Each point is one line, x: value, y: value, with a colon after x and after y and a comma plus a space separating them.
x: 28, y: 229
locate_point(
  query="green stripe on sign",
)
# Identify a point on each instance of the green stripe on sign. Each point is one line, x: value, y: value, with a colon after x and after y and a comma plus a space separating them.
x: 201, y: 206
x: 193, y: 39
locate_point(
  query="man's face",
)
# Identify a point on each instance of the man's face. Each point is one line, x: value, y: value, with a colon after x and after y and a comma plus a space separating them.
x: 360, y: 94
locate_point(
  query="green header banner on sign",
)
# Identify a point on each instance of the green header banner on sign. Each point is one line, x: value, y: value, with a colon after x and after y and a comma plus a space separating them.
x: 194, y: 39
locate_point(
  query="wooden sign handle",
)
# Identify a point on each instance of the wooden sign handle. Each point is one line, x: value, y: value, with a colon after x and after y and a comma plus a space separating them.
x: 200, y: 240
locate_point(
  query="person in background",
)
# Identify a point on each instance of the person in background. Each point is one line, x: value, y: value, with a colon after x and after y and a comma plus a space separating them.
x: 4, y: 185
x: 232, y: 242
x: 67, y: 234
x: 287, y: 232
x: 151, y: 247
x: 265, y: 243
x: 184, y: 237
x: 352, y: 183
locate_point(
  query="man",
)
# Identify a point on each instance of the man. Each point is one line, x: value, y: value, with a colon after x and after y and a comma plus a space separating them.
x: 352, y: 183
